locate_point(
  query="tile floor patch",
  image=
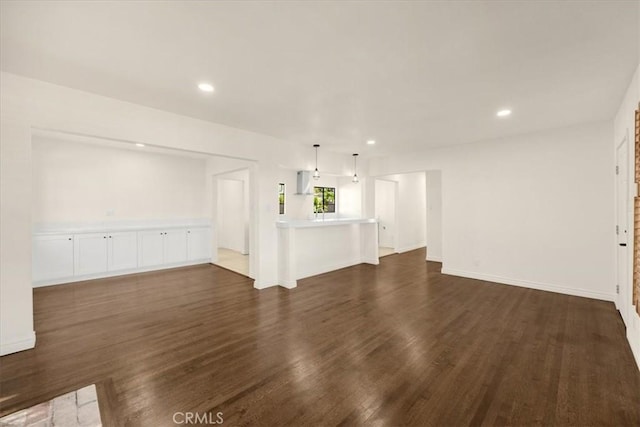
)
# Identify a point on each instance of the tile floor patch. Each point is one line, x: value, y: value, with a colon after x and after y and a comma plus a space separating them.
x: 76, y: 409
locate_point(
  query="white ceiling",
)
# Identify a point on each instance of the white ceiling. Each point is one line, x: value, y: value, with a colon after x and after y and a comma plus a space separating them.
x: 407, y: 74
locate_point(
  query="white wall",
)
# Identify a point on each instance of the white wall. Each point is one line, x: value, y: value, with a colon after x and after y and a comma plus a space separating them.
x: 28, y: 104
x: 76, y: 182
x: 434, y: 216
x: 296, y: 206
x: 16, y: 304
x: 349, y: 198
x: 385, y: 203
x: 233, y: 211
x: 624, y: 127
x: 535, y: 210
x: 411, y: 213
x: 299, y: 206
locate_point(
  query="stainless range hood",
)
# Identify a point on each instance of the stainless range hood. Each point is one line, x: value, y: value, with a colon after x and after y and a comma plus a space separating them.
x: 305, y: 186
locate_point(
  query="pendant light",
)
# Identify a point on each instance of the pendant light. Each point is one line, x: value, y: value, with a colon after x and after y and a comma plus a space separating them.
x: 316, y: 174
x: 355, y: 170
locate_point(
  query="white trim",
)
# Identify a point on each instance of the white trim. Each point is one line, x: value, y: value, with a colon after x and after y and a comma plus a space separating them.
x: 532, y: 285
x: 327, y: 268
x: 309, y: 223
x: 72, y: 279
x: 436, y: 258
x: 21, y: 344
x: 289, y: 284
x: 259, y: 285
x: 78, y: 227
x: 410, y: 247
x: 633, y: 333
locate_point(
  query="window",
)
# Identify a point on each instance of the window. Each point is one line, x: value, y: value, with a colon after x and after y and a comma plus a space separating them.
x: 324, y: 199
x: 281, y: 198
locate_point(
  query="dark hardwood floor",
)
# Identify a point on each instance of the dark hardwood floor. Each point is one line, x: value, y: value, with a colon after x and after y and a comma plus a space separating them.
x: 397, y: 344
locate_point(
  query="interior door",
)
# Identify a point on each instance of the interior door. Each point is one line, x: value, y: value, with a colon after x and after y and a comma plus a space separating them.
x: 622, y: 229
x: 231, y: 215
x: 385, y: 209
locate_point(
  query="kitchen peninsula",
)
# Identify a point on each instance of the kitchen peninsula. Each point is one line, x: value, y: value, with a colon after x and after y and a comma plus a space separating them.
x: 310, y: 247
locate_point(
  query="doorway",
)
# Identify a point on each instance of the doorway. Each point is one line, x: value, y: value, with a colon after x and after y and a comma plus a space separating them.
x: 232, y: 212
x: 434, y: 215
x: 385, y: 212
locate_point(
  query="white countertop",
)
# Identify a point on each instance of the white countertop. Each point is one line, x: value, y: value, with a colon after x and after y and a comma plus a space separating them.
x: 309, y: 223
x: 106, y: 227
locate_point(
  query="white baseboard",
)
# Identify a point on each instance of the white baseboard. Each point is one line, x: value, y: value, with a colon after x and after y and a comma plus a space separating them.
x: 532, y: 285
x: 82, y: 278
x: 23, y: 343
x: 410, y: 247
x: 257, y: 284
x: 633, y: 334
x: 327, y: 268
x: 436, y: 258
x: 374, y: 261
x: 635, y: 348
x: 289, y: 284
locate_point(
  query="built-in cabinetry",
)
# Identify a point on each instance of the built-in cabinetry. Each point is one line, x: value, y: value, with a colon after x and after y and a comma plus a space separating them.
x: 64, y: 257
x: 157, y: 247
x: 95, y: 253
x: 52, y: 257
x: 198, y: 243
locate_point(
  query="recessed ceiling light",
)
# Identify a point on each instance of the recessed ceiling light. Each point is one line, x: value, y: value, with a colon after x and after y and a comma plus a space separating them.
x: 371, y: 142
x: 139, y: 145
x: 205, y: 87
x: 503, y: 113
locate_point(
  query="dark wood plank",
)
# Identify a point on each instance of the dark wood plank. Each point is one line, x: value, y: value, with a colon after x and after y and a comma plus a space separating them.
x: 108, y: 403
x: 396, y: 344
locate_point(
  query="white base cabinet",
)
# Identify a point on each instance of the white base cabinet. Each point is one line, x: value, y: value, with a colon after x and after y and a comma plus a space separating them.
x: 101, y: 252
x: 89, y: 253
x: 150, y: 248
x: 122, y: 250
x: 61, y: 258
x: 175, y: 246
x: 159, y: 247
x: 198, y: 243
x: 52, y: 257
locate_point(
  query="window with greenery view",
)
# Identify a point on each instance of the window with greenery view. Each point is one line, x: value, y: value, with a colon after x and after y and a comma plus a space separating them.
x: 281, y: 198
x: 324, y: 199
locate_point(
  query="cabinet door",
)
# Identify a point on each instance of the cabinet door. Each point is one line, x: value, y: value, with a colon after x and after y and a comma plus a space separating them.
x: 175, y: 246
x: 199, y: 244
x: 150, y: 248
x: 123, y: 250
x: 52, y: 257
x: 90, y: 253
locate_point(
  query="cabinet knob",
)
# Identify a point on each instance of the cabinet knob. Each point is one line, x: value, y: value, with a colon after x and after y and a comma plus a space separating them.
x: 69, y: 238
x: 104, y: 237
x: 109, y: 236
